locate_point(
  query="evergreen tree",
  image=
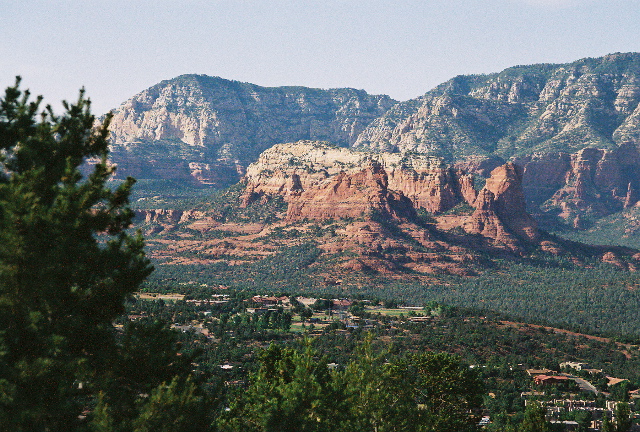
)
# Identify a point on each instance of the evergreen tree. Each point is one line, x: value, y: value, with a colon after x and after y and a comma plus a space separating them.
x: 620, y: 391
x: 623, y: 417
x: 606, y: 424
x: 448, y: 392
x: 534, y: 419
x: 291, y: 392
x: 66, y: 261
x: 378, y: 397
x: 175, y: 407
x: 145, y: 360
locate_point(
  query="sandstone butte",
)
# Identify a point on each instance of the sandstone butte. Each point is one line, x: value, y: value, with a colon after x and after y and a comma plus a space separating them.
x: 554, y: 120
x: 323, y: 182
x: 500, y: 211
x: 290, y: 169
x: 378, y: 195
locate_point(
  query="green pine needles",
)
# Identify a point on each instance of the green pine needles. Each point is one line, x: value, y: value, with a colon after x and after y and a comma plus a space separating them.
x: 66, y: 261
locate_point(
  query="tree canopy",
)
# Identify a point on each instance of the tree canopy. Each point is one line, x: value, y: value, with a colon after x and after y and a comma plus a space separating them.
x: 296, y: 390
x: 66, y: 260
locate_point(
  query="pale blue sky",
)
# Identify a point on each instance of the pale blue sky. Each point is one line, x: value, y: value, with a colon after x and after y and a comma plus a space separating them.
x: 400, y: 48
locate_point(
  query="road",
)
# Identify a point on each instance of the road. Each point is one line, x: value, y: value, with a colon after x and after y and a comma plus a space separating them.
x: 582, y: 383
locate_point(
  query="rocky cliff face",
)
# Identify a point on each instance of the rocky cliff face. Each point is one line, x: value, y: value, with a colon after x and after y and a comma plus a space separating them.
x: 323, y: 182
x: 566, y: 125
x: 522, y: 110
x: 157, y: 221
x: 359, y: 211
x: 500, y: 210
x: 590, y: 183
x: 290, y: 169
x: 197, y: 119
x: 360, y: 194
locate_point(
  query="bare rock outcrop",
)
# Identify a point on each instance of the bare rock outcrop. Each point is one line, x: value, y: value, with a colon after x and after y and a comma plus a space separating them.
x: 520, y: 111
x: 435, y: 190
x: 217, y: 123
x: 500, y: 212
x: 360, y: 194
x: 161, y: 216
x: 591, y: 182
x: 479, y: 165
x: 166, y: 219
x: 323, y: 182
x: 486, y: 222
x: 290, y: 169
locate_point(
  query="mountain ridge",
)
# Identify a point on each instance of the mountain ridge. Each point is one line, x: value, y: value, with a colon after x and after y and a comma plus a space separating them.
x: 498, y: 104
x: 211, y: 123
x: 376, y: 213
x: 205, y: 131
x: 523, y: 106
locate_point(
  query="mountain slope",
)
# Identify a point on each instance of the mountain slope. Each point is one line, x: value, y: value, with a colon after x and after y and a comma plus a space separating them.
x: 517, y: 112
x: 316, y: 218
x: 207, y: 129
x: 574, y: 129
x: 379, y: 212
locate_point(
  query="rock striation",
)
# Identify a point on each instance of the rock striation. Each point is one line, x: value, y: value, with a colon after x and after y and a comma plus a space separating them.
x: 210, y: 121
x: 574, y: 128
x: 361, y: 211
x: 500, y: 212
x: 290, y: 169
x: 323, y: 182
x: 359, y: 194
x: 590, y: 183
x: 522, y: 110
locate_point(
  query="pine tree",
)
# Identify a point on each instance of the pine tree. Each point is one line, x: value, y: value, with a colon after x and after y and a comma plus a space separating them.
x: 447, y: 390
x: 291, y: 392
x: 534, y: 419
x: 66, y: 261
x: 623, y: 419
x: 606, y: 424
x: 173, y: 407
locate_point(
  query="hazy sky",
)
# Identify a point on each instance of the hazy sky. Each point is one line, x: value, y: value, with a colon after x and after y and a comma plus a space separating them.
x: 401, y: 48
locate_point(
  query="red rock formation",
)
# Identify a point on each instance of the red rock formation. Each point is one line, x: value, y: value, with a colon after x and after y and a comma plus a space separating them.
x: 590, y: 182
x: 506, y: 185
x: 500, y: 211
x: 486, y: 222
x: 632, y: 197
x: 288, y: 169
x: 167, y: 217
x: 481, y: 166
x: 436, y: 190
x: 160, y: 216
x: 543, y: 174
x: 359, y: 194
x: 280, y: 183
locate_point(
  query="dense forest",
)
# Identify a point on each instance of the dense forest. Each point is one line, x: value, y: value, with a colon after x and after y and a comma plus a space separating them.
x: 598, y: 298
